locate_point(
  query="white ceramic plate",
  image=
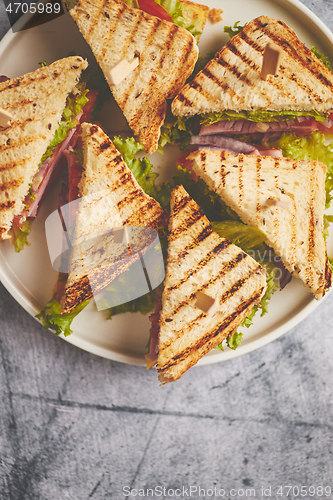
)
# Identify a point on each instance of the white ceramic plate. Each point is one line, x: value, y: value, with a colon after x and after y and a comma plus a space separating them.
x: 29, y: 277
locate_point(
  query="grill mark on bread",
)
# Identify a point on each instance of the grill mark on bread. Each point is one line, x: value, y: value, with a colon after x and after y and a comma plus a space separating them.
x: 11, y: 184
x: 328, y: 274
x: 203, y: 159
x: 180, y: 206
x: 131, y: 196
x: 224, y: 172
x: 249, y: 62
x: 258, y: 180
x: 25, y: 81
x: 294, y: 219
x: 125, y: 96
x: 148, y: 215
x: 225, y: 87
x: 113, y: 20
x: 228, y: 266
x: 276, y: 222
x: 131, y: 35
x: 7, y: 204
x: 210, y: 255
x: 123, y: 180
x: 234, y: 69
x: 21, y: 124
x: 301, y: 85
x: 93, y: 21
x: 181, y: 97
x: 294, y: 54
x: 253, y: 44
x: 196, y: 86
x: 199, y: 239
x: 212, y: 333
x: 13, y: 164
x: 240, y: 178
x: 312, y: 224
x: 193, y: 218
x: 139, y: 17
x: 105, y: 145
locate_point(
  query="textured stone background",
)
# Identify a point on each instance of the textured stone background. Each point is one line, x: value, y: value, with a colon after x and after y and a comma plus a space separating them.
x: 76, y: 426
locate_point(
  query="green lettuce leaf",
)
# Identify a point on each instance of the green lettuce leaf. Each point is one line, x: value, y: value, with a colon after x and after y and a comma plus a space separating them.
x: 322, y: 57
x: 142, y: 169
x: 68, y: 121
x: 233, y: 341
x: 242, y: 235
x: 260, y: 115
x: 175, y: 131
x: 52, y: 318
x: 178, y: 14
x: 21, y: 239
x: 144, y: 304
x: 235, y: 29
x: 330, y: 260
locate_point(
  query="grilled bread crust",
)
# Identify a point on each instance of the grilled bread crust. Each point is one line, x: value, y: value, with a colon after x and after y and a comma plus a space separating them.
x: 231, y: 80
x: 295, y: 230
x: 167, y: 56
x: 36, y: 102
x: 111, y: 197
x: 199, y: 260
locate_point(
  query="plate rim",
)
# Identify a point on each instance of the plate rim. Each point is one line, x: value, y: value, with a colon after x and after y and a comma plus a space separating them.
x: 213, y: 357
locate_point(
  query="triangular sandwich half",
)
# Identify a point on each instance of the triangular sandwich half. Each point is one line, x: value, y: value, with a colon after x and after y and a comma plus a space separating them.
x: 284, y: 198
x: 110, y: 197
x: 200, y: 262
x: 167, y: 54
x: 231, y: 80
x: 35, y: 102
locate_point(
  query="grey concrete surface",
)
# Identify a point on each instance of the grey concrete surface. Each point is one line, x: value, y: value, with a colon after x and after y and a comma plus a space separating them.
x: 76, y: 426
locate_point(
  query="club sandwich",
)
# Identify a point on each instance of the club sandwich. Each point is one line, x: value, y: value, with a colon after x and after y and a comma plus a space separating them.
x: 145, y: 60
x: 211, y: 285
x: 109, y: 199
x: 233, y: 97
x: 282, y: 197
x: 34, y: 105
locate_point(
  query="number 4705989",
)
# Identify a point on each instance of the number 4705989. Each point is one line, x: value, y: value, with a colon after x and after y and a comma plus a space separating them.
x: 304, y: 491
x: 48, y: 8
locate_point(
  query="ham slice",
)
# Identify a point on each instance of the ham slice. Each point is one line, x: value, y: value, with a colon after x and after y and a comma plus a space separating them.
x: 48, y: 169
x: 221, y: 142
x: 301, y: 125
x: 74, y: 174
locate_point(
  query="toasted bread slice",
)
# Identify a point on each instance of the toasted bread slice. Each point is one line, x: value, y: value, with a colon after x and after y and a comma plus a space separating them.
x: 167, y: 54
x: 200, y: 261
x: 284, y: 198
x: 231, y: 80
x: 36, y: 102
x: 195, y: 14
x: 111, y: 197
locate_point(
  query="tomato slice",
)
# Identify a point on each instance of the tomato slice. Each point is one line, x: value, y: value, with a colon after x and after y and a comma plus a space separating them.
x: 154, y: 9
